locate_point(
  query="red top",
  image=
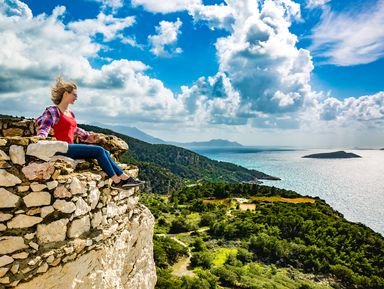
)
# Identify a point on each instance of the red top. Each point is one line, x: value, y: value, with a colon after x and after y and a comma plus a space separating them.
x: 64, y: 129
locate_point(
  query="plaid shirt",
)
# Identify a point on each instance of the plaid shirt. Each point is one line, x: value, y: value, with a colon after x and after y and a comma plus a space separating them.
x: 49, y: 118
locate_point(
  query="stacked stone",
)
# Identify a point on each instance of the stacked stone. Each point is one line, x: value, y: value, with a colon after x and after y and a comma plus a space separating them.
x: 23, y: 127
x: 16, y: 126
x: 51, y: 213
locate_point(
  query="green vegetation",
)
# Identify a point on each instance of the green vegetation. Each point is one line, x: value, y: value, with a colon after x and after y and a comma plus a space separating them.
x: 280, y: 245
x: 167, y: 251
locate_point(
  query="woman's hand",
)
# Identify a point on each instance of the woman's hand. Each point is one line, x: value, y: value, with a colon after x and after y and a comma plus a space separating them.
x: 93, y: 137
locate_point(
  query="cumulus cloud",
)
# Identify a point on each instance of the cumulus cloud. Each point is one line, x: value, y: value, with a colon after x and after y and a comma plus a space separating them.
x: 350, y: 38
x: 259, y: 62
x: 36, y: 49
x: 211, y: 100
x: 215, y: 16
x: 263, y: 79
x: 271, y: 75
x: 164, y: 42
x: 311, y: 4
x: 131, y: 40
x: 365, y: 109
x: 106, y: 25
x: 113, y: 5
x: 168, y: 6
x: 261, y: 58
x: 15, y: 8
x: 123, y: 89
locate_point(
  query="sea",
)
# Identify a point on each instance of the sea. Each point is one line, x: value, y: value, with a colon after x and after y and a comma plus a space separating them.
x: 353, y: 187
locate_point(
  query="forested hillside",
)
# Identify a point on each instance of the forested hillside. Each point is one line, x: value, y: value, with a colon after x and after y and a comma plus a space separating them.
x: 284, y: 241
x: 167, y: 167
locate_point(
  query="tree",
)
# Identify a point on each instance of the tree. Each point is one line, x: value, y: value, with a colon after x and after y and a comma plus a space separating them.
x: 201, y: 259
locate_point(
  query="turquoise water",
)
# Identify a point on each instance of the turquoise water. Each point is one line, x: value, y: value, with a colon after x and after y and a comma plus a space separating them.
x: 354, y: 187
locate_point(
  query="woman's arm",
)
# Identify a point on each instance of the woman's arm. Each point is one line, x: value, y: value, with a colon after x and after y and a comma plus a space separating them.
x: 82, y: 134
x: 46, y: 121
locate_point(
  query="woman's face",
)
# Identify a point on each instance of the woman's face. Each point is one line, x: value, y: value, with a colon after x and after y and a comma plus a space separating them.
x: 70, y: 97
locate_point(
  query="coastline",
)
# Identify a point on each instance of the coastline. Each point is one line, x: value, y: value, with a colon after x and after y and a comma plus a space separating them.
x: 351, y: 186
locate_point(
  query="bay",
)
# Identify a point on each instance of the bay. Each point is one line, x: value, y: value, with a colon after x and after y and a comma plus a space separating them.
x: 354, y: 187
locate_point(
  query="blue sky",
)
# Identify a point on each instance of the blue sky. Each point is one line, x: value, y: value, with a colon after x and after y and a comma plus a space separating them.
x: 267, y: 72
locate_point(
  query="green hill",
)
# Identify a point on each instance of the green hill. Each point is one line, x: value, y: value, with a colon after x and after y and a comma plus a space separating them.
x: 167, y: 167
x: 283, y: 242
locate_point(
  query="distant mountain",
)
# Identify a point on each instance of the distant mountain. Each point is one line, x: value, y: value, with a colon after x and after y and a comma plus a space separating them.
x: 139, y: 134
x: 211, y: 143
x: 132, y: 132
x: 333, y: 155
x: 168, y: 167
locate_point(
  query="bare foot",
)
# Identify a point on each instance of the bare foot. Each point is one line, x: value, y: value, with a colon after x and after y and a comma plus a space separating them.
x: 124, y: 177
x: 116, y: 179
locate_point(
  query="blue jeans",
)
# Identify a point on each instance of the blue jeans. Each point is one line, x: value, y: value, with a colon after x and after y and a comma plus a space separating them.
x: 81, y: 151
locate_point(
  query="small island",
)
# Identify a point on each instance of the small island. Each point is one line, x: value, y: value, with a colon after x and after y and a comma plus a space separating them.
x: 333, y: 155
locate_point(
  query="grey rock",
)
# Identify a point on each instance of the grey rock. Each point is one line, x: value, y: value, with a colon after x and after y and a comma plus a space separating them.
x: 17, y: 154
x: 11, y: 244
x: 7, y: 199
x: 7, y: 179
x: 37, y: 199
x: 23, y: 221
x: 53, y: 232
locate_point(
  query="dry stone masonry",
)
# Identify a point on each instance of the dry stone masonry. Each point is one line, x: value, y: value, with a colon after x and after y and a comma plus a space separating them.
x: 61, y: 224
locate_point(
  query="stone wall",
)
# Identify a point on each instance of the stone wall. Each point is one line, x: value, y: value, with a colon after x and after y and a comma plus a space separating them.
x: 61, y: 224
x: 23, y: 127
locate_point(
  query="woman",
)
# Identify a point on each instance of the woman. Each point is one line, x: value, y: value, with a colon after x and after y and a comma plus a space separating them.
x: 62, y: 120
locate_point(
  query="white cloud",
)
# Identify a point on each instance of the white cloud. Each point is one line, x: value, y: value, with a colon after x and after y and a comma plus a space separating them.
x: 211, y: 100
x: 39, y: 47
x: 261, y: 58
x: 36, y: 49
x: 123, y: 90
x: 113, y: 5
x: 267, y: 79
x: 164, y: 42
x: 311, y: 4
x: 131, y: 40
x: 216, y: 16
x: 263, y: 80
x: 106, y: 25
x: 350, y: 38
x: 15, y: 8
x: 168, y: 6
x: 367, y: 110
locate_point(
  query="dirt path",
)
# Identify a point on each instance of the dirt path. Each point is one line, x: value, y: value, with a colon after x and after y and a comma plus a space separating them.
x: 181, y: 267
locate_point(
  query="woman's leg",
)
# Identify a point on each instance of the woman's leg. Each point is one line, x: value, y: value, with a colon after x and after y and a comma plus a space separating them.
x: 114, y: 165
x: 81, y: 151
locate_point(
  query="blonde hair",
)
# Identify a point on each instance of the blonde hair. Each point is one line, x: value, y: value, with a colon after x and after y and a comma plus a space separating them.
x: 60, y: 87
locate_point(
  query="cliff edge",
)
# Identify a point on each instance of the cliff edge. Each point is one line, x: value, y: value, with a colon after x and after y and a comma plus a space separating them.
x: 61, y: 224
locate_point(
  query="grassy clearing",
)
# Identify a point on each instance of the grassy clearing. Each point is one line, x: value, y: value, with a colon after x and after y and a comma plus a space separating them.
x: 221, y: 255
x: 193, y: 219
x: 226, y: 202
x: 268, y: 276
x: 284, y: 200
x: 231, y: 203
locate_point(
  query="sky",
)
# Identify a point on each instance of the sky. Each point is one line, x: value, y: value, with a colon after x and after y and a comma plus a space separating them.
x: 305, y: 73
